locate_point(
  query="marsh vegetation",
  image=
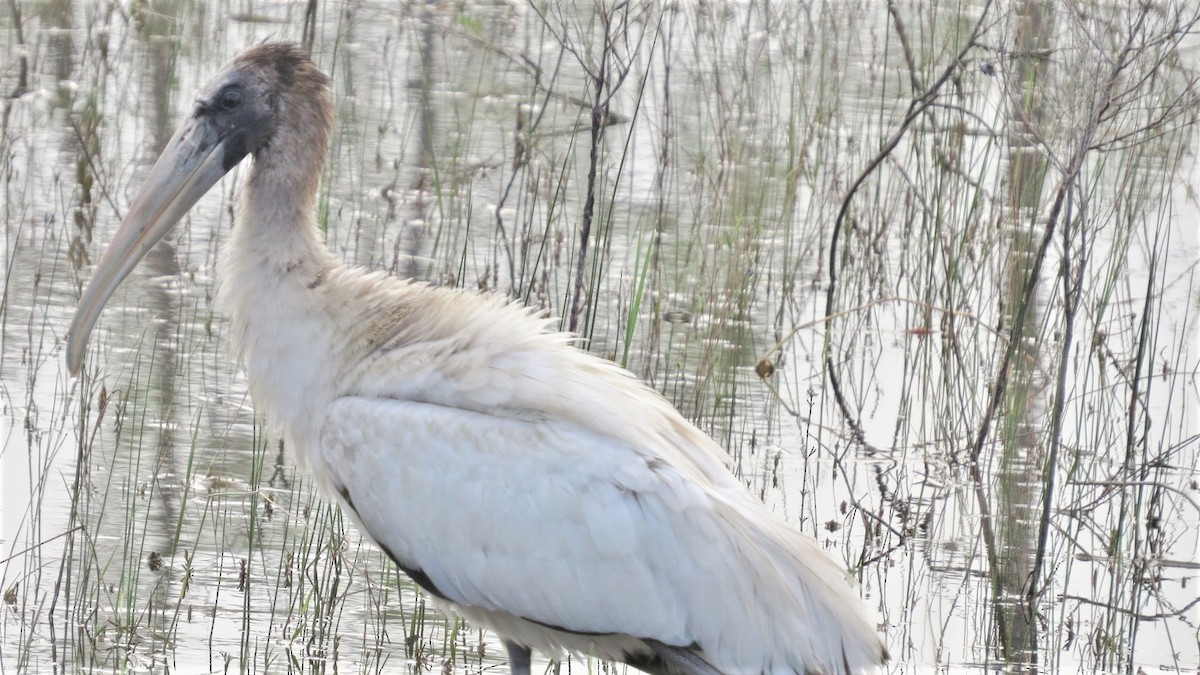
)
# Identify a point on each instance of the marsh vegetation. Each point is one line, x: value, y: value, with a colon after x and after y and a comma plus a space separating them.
x: 928, y: 270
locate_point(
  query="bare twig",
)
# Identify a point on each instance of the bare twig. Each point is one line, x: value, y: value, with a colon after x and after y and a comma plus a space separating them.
x: 916, y: 108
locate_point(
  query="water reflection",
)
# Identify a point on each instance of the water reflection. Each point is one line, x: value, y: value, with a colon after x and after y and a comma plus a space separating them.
x: 1023, y: 455
x: 411, y: 248
x: 160, y: 361
x: 463, y: 157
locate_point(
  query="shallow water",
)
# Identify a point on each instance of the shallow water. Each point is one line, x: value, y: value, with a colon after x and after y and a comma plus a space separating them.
x: 148, y: 521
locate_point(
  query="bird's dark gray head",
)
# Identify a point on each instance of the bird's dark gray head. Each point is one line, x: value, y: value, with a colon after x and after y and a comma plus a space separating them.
x: 265, y: 91
x: 272, y: 102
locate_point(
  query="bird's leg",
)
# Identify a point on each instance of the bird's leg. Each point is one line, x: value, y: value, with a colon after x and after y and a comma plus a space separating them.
x: 518, y: 658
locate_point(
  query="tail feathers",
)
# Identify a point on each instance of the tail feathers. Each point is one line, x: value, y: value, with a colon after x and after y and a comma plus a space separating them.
x: 666, y: 659
x: 812, y: 620
x: 669, y: 660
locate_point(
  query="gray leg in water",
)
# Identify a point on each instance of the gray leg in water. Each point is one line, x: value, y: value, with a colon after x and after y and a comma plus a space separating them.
x: 518, y: 658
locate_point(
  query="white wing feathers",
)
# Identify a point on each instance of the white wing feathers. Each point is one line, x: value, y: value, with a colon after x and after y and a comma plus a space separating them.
x: 510, y: 515
x: 542, y: 520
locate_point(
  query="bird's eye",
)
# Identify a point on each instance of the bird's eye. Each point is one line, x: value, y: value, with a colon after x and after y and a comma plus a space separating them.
x: 231, y: 99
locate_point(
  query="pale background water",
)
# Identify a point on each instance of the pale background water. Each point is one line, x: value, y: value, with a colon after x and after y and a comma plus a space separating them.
x: 148, y: 521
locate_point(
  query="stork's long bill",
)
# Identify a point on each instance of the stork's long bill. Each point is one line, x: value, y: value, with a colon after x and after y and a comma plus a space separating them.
x: 204, y: 148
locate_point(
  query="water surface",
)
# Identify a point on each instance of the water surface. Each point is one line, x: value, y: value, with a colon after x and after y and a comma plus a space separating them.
x: 148, y: 521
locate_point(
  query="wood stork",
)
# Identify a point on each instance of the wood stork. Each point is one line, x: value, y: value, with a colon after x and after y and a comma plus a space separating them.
x: 527, y: 485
